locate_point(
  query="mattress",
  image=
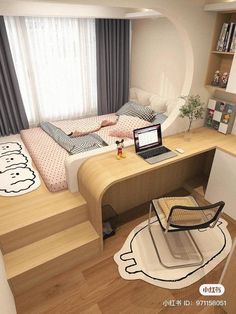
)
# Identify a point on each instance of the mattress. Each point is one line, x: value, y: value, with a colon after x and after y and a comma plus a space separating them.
x: 49, y: 157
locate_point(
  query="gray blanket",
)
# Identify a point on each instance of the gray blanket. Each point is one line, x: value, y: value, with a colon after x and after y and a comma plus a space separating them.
x: 73, y: 145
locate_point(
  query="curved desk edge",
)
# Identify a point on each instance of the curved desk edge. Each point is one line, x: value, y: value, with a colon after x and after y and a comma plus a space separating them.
x: 100, y: 173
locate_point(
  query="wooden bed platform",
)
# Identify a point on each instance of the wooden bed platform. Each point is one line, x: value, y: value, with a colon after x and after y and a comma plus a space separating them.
x: 43, y: 234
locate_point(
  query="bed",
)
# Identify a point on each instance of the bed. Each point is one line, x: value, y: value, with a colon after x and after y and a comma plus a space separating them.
x: 59, y: 168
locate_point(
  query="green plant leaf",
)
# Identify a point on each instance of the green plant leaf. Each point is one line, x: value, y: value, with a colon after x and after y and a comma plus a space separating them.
x: 193, y: 108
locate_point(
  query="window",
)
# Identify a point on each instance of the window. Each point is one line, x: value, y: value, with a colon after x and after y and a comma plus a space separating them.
x: 55, y: 61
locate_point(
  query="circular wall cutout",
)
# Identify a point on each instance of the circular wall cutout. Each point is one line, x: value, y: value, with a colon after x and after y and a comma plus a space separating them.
x: 149, y: 74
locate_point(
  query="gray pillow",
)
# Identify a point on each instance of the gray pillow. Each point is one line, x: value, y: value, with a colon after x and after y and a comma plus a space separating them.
x: 131, y: 108
x: 159, y: 118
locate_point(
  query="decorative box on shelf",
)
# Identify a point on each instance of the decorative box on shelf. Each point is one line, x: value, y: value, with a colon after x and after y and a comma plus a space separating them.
x: 220, y: 115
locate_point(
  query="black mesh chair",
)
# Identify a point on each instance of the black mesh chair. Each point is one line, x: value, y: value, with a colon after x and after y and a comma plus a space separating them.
x: 181, y: 214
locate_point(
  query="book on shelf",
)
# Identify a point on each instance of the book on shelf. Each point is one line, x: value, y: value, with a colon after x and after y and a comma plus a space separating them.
x: 226, y: 38
x: 220, y: 43
x: 233, y: 41
x: 230, y: 36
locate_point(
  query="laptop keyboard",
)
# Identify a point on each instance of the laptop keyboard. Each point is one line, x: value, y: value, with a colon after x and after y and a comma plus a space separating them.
x: 154, y: 152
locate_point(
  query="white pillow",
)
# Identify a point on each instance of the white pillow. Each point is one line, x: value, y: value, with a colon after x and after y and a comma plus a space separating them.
x: 132, y: 94
x: 157, y: 104
x: 142, y: 97
x: 171, y: 103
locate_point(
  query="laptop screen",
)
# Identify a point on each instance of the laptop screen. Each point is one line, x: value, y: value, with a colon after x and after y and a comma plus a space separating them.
x: 148, y: 137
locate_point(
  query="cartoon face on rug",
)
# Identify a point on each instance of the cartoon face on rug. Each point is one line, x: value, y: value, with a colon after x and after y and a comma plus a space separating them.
x: 11, y: 161
x: 16, y: 180
x: 9, y: 148
x: 137, y: 259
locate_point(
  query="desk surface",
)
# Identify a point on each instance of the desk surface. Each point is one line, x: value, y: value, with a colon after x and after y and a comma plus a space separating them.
x: 100, y: 172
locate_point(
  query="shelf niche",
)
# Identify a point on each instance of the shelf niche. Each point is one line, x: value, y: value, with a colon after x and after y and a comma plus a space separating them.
x: 220, y: 60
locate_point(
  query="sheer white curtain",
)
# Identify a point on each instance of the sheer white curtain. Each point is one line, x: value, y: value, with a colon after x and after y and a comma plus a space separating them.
x: 55, y: 61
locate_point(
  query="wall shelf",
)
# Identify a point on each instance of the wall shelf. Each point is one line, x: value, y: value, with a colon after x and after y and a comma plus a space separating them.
x: 220, y: 7
x: 220, y: 60
x: 223, y: 52
x: 213, y: 88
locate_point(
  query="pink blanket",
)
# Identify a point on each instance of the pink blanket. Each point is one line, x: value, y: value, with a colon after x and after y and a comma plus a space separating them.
x: 93, y: 127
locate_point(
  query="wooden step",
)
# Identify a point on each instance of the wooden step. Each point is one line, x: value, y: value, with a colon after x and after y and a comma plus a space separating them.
x: 38, y: 216
x: 196, y: 187
x: 41, y: 260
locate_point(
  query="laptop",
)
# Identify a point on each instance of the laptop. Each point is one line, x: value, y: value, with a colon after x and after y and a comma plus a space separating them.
x: 148, y: 144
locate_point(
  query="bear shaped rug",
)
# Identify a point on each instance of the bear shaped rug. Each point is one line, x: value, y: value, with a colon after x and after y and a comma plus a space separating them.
x: 138, y: 259
x: 17, y: 175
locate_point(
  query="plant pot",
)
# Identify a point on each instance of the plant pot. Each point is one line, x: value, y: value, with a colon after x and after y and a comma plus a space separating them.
x: 188, y: 135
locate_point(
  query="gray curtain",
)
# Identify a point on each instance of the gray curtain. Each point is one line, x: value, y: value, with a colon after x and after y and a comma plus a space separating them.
x: 12, y: 112
x: 113, y: 54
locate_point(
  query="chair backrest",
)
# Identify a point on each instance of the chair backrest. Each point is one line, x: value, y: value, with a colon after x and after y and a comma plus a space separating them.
x: 189, y: 217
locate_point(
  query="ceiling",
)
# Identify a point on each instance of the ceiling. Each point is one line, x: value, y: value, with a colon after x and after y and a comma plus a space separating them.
x: 73, y: 8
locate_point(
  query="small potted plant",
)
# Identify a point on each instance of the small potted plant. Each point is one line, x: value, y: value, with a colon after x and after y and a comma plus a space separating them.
x: 193, y: 109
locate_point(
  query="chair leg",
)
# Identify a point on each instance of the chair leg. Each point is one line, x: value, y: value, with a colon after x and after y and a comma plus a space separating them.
x: 150, y: 216
x: 180, y: 265
x: 197, y: 249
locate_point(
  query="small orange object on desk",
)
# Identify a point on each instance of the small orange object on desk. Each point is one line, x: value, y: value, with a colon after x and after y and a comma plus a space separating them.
x: 120, y: 146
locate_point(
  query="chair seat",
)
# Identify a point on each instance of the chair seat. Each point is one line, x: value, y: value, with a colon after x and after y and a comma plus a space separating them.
x: 166, y: 203
x: 172, y: 218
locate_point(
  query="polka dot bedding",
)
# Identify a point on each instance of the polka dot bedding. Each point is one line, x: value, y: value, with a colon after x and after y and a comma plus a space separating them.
x: 49, y: 157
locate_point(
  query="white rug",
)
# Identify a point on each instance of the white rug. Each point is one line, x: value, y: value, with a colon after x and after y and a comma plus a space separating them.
x: 137, y: 258
x: 17, y: 175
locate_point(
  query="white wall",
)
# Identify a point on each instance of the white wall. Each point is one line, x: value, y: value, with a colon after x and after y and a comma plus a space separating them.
x: 194, y: 25
x: 157, y: 57
x: 195, y: 28
x: 7, y: 304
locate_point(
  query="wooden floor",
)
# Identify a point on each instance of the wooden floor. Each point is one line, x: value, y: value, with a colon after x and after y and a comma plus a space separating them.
x: 96, y: 287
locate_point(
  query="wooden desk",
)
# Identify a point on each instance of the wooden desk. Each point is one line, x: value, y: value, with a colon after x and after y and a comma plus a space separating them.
x: 131, y: 181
